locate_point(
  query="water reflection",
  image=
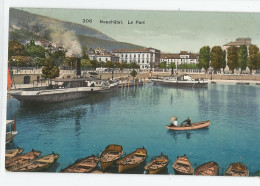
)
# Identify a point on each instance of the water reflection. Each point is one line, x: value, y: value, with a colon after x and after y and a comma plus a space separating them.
x: 188, y: 133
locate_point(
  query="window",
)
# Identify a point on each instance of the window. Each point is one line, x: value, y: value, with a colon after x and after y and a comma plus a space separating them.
x: 106, y: 59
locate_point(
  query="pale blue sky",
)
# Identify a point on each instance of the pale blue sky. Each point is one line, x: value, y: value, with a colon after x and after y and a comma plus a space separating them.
x: 169, y: 31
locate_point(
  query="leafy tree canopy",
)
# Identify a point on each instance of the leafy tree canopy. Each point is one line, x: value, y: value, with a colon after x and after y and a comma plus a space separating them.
x: 50, y: 70
x: 172, y: 65
x: 163, y: 65
x: 35, y: 50
x: 133, y: 73
x: 252, y: 58
x: 16, y: 49
x: 242, y: 57
x: 204, y: 57
x: 21, y: 61
x: 232, y: 57
x: 216, y: 58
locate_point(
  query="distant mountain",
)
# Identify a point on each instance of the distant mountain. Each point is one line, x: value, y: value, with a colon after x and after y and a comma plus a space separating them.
x: 26, y: 26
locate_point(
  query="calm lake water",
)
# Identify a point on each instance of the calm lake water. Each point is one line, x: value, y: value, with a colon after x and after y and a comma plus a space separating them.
x: 136, y: 117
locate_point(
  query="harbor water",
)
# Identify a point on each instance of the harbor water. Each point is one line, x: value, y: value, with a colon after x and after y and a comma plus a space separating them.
x: 136, y: 117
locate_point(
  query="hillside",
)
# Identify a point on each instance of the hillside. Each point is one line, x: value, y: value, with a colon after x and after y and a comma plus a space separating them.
x: 26, y: 26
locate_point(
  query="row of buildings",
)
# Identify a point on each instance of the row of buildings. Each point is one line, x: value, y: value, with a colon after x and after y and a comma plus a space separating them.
x: 146, y: 57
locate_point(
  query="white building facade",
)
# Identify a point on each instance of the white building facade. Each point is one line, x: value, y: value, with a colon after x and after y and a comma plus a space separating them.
x: 144, y: 57
x: 104, y: 58
x: 183, y: 57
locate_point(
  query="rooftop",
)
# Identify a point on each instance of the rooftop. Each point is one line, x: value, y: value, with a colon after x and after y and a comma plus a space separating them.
x: 239, y: 42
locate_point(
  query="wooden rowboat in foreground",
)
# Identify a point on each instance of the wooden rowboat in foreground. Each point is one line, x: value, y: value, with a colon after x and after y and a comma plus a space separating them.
x: 110, y: 155
x: 132, y: 160
x: 37, y: 165
x: 183, y: 166
x: 21, y: 159
x: 197, y: 125
x: 207, y: 169
x: 84, y: 165
x: 158, y: 164
x: 237, y: 169
x: 13, y: 152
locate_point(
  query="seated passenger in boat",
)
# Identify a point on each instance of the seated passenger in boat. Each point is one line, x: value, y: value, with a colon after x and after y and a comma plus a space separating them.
x: 188, y: 121
x: 174, y: 124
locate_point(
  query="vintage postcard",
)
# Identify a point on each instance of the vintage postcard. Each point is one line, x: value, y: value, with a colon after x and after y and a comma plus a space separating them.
x: 133, y: 92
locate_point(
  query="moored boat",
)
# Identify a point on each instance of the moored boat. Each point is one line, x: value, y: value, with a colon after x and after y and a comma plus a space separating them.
x: 62, y: 90
x: 21, y: 159
x: 132, y: 160
x: 196, y: 125
x: 207, y: 169
x: 183, y: 166
x: 158, y: 164
x: 11, y: 131
x: 84, y: 165
x: 110, y: 155
x: 13, y: 152
x: 181, y: 81
x: 37, y: 165
x: 237, y: 169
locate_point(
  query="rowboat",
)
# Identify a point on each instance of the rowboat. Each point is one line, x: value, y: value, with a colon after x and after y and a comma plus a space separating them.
x: 21, y: 159
x: 110, y: 155
x: 207, y: 169
x: 157, y: 164
x: 237, y: 169
x: 132, y: 160
x: 37, y: 165
x: 13, y: 152
x: 197, y: 125
x: 183, y: 166
x: 84, y: 165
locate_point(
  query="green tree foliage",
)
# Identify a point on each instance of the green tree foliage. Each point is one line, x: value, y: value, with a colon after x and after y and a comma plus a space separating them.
x: 204, y: 57
x: 109, y: 65
x: 242, y: 57
x: 94, y: 64
x: 122, y: 66
x: 39, y: 62
x: 163, y: 65
x: 58, y: 57
x: 133, y: 73
x: 216, y: 58
x: 85, y: 52
x: 35, y: 50
x: 172, y: 65
x: 252, y: 58
x: 50, y: 70
x: 21, y: 61
x: 70, y: 62
x: 258, y: 60
x: 16, y: 49
x: 85, y: 63
x: 223, y: 60
x: 134, y: 65
x: 232, y: 58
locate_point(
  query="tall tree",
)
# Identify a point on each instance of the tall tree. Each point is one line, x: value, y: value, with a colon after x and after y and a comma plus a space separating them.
x: 50, y: 70
x: 163, y: 65
x: 16, y: 49
x: 133, y: 74
x: 134, y: 65
x: 252, y: 58
x: 216, y: 58
x: 223, y: 60
x: 172, y: 65
x: 70, y: 62
x: 204, y: 57
x: 85, y: 52
x: 35, y: 50
x: 232, y: 58
x: 242, y: 57
x: 58, y: 57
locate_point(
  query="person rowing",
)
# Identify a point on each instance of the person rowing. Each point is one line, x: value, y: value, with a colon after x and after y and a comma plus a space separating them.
x: 188, y: 121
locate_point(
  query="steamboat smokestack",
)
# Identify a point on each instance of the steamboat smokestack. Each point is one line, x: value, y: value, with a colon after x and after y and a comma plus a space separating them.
x: 78, y: 67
